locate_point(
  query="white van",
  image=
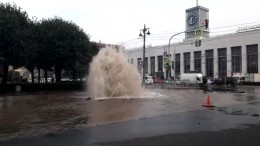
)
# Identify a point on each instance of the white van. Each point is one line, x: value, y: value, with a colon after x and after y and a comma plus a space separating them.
x: 148, y: 79
x: 192, y: 78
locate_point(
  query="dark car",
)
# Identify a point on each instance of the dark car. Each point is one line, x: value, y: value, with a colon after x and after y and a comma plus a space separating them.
x: 229, y: 81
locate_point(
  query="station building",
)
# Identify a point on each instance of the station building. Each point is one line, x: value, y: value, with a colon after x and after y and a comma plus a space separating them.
x: 221, y: 56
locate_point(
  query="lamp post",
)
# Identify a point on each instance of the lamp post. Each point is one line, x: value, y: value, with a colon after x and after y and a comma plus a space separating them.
x: 169, y: 46
x: 143, y: 33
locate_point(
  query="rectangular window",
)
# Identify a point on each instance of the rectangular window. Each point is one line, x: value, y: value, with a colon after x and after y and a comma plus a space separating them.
x: 236, y: 59
x: 197, y: 61
x: 152, y: 65
x: 146, y: 65
x: 252, y: 58
x: 177, y: 64
x: 209, y: 54
x: 186, y: 62
x: 222, y: 62
x: 160, y: 63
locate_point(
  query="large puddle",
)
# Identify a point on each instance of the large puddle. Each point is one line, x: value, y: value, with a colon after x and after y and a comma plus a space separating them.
x: 43, y: 113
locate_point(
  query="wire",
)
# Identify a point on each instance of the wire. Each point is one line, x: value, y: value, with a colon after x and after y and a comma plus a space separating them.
x: 166, y: 35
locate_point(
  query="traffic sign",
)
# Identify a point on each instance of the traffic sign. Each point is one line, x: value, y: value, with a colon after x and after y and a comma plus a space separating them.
x: 198, y: 32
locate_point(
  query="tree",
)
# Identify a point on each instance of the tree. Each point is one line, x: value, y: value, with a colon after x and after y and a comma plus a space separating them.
x: 32, y: 43
x: 13, y: 27
x: 64, y: 44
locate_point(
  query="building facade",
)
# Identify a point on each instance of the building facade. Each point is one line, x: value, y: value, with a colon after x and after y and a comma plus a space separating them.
x: 221, y: 56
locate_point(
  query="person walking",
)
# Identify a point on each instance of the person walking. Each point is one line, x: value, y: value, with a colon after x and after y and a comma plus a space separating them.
x: 205, y: 81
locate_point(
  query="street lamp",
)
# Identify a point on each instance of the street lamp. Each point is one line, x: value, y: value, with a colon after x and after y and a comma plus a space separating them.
x: 169, y: 46
x: 143, y: 33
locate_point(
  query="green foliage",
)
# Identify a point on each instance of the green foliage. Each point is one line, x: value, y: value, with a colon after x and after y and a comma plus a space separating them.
x: 25, y: 87
x: 65, y: 45
x: 13, y: 28
x: 51, y: 44
x: 13, y: 76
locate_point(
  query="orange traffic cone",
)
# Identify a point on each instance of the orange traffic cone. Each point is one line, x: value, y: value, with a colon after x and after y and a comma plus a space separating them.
x: 208, y: 103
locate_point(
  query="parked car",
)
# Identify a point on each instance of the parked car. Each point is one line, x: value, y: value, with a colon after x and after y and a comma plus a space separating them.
x: 229, y: 81
x: 148, y: 79
x: 192, y: 78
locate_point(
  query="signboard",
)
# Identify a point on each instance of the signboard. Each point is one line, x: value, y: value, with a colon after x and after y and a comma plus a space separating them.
x: 248, y: 28
x: 198, y: 32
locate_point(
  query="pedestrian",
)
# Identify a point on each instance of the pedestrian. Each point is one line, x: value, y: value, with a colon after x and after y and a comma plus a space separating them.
x: 204, y: 80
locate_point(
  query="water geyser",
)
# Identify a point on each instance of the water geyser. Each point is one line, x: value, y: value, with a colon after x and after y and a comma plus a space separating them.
x: 111, y: 75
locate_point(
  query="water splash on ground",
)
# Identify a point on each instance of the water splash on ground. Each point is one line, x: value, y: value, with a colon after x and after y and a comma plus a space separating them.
x: 146, y: 94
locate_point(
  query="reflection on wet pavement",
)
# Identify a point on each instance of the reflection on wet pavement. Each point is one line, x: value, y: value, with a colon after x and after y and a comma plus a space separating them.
x: 45, y: 113
x: 37, y: 114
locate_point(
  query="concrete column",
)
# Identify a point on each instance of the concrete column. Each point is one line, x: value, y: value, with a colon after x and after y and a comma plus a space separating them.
x: 192, y: 60
x: 229, y: 62
x: 215, y: 62
x: 244, y: 60
x: 156, y: 63
x: 258, y: 57
x: 181, y: 63
x: 149, y: 64
x: 203, y: 62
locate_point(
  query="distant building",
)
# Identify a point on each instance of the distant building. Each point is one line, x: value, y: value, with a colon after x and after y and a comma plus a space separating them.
x: 226, y: 55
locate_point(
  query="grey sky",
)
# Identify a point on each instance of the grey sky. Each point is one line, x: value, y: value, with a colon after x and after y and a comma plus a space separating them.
x: 117, y: 21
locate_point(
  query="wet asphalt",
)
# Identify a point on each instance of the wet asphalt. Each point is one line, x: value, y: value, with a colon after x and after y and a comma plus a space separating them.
x: 72, y: 119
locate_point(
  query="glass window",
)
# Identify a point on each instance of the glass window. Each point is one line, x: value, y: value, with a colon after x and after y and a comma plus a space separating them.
x: 177, y: 64
x: 152, y: 65
x: 160, y: 63
x: 209, y: 54
x: 222, y: 62
x: 197, y: 61
x: 186, y: 62
x: 236, y: 59
x: 252, y: 58
x: 146, y: 65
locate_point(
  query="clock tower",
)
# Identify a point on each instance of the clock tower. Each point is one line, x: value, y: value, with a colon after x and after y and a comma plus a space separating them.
x: 195, y: 18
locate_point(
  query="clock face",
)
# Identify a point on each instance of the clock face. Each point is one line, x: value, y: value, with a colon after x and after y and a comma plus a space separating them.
x: 192, y: 18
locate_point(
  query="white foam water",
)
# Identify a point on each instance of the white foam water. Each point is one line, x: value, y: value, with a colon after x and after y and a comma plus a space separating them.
x: 112, y: 76
x: 146, y: 94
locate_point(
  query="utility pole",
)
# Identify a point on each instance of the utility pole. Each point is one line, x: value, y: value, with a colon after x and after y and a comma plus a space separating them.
x: 143, y: 33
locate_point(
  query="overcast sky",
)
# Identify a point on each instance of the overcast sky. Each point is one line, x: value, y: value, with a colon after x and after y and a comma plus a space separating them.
x: 120, y: 21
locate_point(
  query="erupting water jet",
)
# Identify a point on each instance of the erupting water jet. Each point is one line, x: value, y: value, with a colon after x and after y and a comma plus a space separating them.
x: 111, y: 75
